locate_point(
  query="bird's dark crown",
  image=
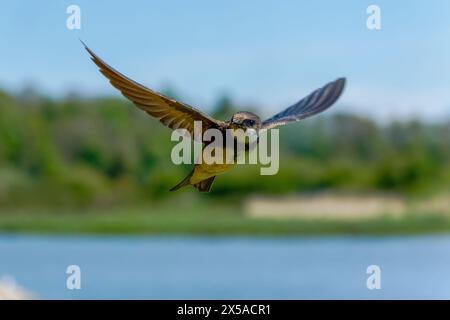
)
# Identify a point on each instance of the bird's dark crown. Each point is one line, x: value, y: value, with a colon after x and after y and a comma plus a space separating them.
x: 246, y: 119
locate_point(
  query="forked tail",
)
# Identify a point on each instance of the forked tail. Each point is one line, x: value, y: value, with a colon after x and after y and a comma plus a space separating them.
x: 205, y: 185
x: 202, y: 186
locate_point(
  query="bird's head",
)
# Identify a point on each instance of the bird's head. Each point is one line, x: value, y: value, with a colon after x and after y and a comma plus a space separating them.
x: 245, y: 120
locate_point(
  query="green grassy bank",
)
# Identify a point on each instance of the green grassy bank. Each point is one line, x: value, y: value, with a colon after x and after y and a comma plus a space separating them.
x: 206, y: 220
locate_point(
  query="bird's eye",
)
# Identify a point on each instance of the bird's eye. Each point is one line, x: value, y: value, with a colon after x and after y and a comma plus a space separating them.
x: 249, y: 122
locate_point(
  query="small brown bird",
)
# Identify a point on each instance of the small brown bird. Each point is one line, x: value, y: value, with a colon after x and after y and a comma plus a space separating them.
x: 175, y: 115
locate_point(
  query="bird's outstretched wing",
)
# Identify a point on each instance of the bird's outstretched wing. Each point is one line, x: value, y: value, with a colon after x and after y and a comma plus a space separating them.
x: 316, y: 102
x: 170, y: 112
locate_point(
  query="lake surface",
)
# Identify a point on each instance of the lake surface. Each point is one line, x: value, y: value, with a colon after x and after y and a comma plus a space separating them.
x: 228, y: 267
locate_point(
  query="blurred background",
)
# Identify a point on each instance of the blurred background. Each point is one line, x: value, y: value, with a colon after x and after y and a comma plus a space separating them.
x: 84, y: 175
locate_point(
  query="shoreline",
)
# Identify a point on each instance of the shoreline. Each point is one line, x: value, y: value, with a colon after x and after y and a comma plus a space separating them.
x: 200, y: 221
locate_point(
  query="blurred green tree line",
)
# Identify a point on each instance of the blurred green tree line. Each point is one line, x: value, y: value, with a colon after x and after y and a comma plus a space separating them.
x: 101, y: 151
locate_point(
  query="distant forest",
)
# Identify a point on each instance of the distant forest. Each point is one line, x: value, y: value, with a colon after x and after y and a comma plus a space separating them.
x: 102, y: 151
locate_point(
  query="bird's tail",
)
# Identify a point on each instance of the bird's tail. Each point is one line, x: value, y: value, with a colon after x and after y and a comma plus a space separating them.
x: 202, y: 186
x: 184, y: 182
x: 205, y: 185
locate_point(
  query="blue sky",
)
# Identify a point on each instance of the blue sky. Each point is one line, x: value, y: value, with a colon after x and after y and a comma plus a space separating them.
x: 267, y: 53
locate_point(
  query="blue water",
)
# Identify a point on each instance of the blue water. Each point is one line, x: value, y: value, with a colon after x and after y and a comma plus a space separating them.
x: 228, y: 268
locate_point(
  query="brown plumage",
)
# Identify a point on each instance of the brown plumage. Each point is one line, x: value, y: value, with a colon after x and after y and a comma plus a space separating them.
x: 175, y: 115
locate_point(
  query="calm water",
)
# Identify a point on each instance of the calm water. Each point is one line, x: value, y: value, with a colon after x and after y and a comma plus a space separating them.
x: 238, y: 268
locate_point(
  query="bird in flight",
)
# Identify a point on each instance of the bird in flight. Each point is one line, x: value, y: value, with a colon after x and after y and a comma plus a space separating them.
x: 178, y: 115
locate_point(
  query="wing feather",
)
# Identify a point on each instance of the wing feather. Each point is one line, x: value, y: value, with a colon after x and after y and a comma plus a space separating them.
x: 170, y: 112
x: 315, y: 103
